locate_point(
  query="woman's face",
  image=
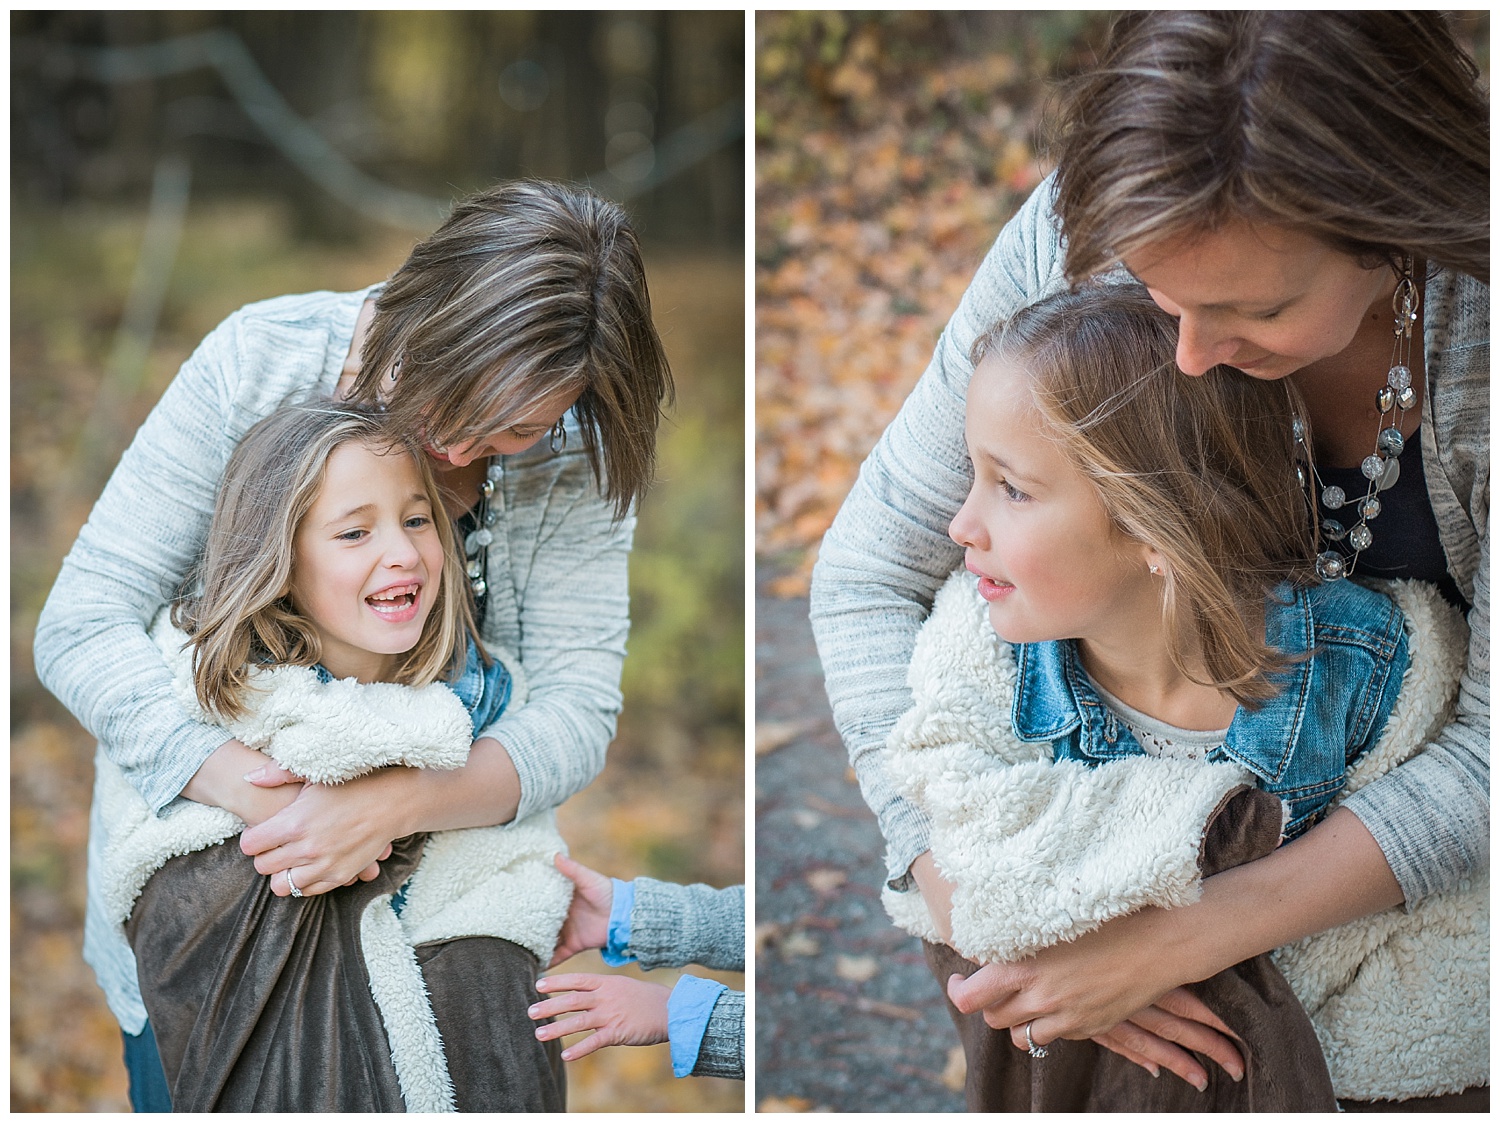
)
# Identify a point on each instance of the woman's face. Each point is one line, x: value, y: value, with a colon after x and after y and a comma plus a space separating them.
x: 508, y: 435
x: 1266, y: 299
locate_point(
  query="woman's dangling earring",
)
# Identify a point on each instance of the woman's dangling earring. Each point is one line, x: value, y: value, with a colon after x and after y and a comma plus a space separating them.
x: 559, y: 439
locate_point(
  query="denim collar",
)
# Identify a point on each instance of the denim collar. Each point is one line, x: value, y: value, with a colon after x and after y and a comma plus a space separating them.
x: 1054, y: 699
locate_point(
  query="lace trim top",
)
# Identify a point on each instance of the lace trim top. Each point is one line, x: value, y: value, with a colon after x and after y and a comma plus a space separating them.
x: 1158, y: 738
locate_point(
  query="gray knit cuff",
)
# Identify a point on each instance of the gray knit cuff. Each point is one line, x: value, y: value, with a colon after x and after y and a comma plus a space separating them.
x: 672, y: 925
x: 723, y: 1050
x: 908, y: 835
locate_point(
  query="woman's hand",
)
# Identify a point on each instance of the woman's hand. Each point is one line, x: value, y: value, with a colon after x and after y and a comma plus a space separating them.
x: 1077, y: 990
x: 330, y: 835
x: 1333, y: 874
x: 587, y: 923
x: 620, y: 1011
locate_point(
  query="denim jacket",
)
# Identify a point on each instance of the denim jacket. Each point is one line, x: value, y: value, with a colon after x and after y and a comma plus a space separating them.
x: 1331, y: 709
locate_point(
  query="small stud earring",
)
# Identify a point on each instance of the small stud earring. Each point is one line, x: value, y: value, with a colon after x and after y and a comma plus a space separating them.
x: 1155, y: 571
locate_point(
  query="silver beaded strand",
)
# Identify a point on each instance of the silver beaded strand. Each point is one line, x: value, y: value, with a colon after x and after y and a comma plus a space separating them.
x: 1382, y: 467
x: 477, y: 543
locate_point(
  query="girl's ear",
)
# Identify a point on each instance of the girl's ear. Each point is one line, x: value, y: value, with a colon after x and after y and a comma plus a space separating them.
x: 1155, y: 563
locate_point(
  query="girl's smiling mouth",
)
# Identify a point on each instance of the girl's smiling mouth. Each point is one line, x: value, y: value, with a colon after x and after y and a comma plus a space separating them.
x: 398, y: 603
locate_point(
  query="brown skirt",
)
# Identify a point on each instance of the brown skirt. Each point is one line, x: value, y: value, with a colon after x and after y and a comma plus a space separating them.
x: 1284, y: 1067
x: 263, y: 1003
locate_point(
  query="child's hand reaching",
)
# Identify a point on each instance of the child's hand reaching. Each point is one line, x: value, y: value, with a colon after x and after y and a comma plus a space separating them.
x: 620, y: 1011
x: 587, y: 923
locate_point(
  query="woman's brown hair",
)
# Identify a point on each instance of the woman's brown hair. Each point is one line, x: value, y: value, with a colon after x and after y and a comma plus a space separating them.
x: 528, y: 291
x: 1366, y: 129
x: 240, y: 614
x: 1201, y: 468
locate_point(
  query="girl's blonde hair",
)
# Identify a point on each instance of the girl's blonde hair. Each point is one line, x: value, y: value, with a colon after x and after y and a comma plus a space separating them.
x: 240, y: 613
x: 1203, y: 469
x: 1366, y: 129
x: 528, y: 291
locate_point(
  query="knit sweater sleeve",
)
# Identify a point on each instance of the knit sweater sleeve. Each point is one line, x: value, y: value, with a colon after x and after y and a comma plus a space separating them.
x: 674, y: 925
x: 1431, y: 815
x: 722, y: 1052
x: 888, y: 550
x: 147, y: 529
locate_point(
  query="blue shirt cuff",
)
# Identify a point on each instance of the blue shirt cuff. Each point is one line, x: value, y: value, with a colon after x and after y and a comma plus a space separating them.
x: 616, y: 952
x: 688, y: 1008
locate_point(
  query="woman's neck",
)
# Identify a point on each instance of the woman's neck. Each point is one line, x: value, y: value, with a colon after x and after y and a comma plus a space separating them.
x: 1339, y: 391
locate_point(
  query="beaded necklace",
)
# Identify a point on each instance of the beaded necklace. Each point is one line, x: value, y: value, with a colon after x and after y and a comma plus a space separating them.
x: 1382, y: 468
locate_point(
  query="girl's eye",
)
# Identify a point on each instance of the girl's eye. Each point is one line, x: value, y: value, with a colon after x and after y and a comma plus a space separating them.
x: 1014, y: 493
x: 352, y: 535
x: 418, y: 522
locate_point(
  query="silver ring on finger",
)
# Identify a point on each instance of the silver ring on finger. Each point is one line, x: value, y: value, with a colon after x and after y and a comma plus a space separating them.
x: 1032, y: 1048
x: 295, y: 892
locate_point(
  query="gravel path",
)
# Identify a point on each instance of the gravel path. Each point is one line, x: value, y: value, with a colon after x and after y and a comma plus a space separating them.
x: 847, y: 1016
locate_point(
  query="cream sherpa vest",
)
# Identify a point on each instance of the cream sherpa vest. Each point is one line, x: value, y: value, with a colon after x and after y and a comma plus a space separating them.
x: 1042, y: 852
x: 483, y: 881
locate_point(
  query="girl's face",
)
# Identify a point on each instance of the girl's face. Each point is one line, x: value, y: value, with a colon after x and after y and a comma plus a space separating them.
x: 1050, y: 562
x: 508, y: 435
x: 1266, y: 299
x: 367, y: 561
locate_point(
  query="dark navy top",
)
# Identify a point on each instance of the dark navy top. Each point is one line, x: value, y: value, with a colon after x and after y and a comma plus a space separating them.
x: 1406, y: 541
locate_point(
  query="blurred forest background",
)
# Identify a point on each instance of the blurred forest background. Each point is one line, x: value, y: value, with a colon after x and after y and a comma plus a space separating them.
x: 169, y: 167
x: 890, y: 148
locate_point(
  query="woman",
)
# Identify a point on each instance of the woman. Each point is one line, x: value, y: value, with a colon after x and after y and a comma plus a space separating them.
x: 1267, y: 175
x: 528, y: 305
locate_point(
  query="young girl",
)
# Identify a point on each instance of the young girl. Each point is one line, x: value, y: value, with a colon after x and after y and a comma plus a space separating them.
x: 330, y: 628
x: 1139, y: 543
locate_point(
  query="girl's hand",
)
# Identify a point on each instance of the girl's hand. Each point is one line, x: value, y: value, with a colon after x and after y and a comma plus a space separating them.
x: 271, y: 775
x: 937, y: 892
x: 1167, y: 1034
x: 329, y: 835
x: 620, y: 1011
x: 587, y: 923
x: 223, y: 780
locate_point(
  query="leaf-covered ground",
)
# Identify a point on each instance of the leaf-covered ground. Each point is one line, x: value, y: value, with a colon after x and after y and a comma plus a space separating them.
x: 670, y: 803
x: 890, y: 149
